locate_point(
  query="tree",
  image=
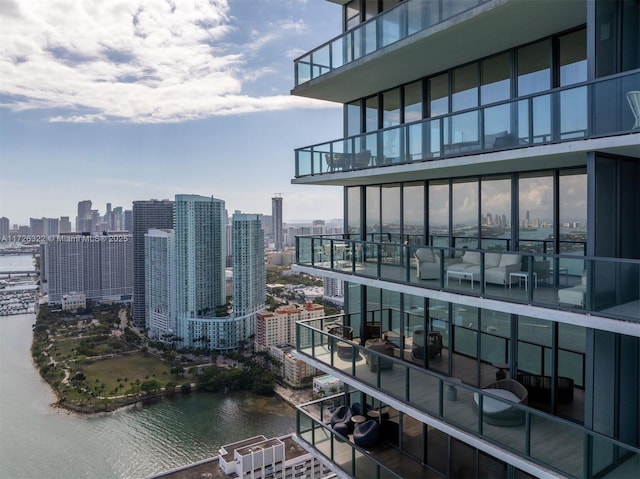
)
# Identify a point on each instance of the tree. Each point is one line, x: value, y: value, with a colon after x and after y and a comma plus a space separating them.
x: 150, y: 386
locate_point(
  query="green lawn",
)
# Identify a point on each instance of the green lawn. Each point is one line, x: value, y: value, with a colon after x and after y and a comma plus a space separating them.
x: 138, y: 366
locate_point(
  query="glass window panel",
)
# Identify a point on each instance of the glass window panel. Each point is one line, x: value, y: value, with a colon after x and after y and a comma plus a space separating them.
x: 413, y: 102
x: 371, y: 113
x: 412, y: 437
x: 354, y: 223
x: 352, y: 13
x: 465, y: 214
x: 391, y: 212
x: 573, y: 213
x: 536, y: 213
x: 391, y: 23
x: 413, y: 209
x: 370, y: 9
x: 373, y: 212
x: 535, y: 331
x: 391, y: 108
x: 354, y: 121
x: 573, y: 57
x: 497, y: 127
x: 496, y: 79
x: 630, y: 36
x: 437, y: 449
x: 490, y: 467
x: 390, y: 311
x: 439, y: 213
x: 496, y: 214
x: 465, y: 87
x: 534, y: 68
x: 573, y: 113
x: 439, y: 95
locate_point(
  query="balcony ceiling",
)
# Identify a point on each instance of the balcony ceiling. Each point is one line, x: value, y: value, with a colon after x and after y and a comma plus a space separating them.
x: 487, y: 29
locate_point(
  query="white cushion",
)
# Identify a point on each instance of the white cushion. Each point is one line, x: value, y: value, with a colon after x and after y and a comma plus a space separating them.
x: 492, y: 259
x: 425, y: 255
x: 509, y: 259
x: 491, y: 405
x: 472, y: 257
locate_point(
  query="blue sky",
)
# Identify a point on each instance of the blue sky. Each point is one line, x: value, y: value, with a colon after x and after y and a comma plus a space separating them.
x: 116, y: 101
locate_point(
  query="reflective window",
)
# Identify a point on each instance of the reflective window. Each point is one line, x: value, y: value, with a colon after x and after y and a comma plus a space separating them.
x: 495, y: 79
x: 372, y: 206
x: 536, y: 213
x: 465, y: 343
x: 573, y: 212
x: 352, y: 14
x: 534, y: 68
x: 439, y: 214
x: 391, y: 108
x: 573, y: 57
x: 496, y: 214
x: 439, y: 95
x: 413, y: 102
x: 464, y: 87
x: 390, y: 208
x: 354, y: 121
x: 354, y: 223
x: 413, y: 210
x: 465, y: 214
x: 371, y: 113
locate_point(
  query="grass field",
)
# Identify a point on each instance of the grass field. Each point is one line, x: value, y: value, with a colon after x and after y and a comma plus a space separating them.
x: 132, y: 367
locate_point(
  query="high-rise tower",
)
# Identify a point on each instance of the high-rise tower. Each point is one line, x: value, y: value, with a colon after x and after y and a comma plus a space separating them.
x: 249, y: 275
x: 473, y: 351
x: 200, y: 232
x: 147, y: 214
x: 276, y: 217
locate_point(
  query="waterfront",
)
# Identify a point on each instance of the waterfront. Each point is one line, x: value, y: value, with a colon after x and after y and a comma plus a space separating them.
x: 38, y: 440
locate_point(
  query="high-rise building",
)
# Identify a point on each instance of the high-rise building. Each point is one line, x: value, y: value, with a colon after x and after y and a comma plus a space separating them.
x: 128, y: 220
x: 36, y: 226
x: 249, y: 273
x: 98, y: 265
x: 160, y: 283
x: 146, y: 215
x: 83, y: 220
x: 276, y: 215
x: 50, y: 226
x: 65, y: 225
x: 117, y: 219
x: 4, y: 227
x: 200, y: 230
x: 473, y: 353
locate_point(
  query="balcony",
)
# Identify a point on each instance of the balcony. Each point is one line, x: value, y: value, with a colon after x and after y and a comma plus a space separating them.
x: 588, y: 111
x: 382, y: 52
x: 606, y: 287
x: 542, y: 438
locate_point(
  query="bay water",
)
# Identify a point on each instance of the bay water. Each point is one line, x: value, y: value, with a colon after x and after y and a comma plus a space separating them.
x: 38, y: 440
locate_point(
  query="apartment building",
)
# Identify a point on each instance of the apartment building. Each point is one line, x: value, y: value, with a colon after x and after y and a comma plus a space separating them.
x: 490, y: 165
x: 97, y: 265
x: 278, y: 327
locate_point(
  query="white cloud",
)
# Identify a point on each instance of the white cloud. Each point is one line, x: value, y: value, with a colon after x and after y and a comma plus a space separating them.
x: 142, y: 61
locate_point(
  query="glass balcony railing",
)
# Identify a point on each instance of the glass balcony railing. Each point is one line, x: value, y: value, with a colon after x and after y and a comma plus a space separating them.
x: 548, y: 440
x: 608, y: 287
x: 312, y: 427
x: 389, y: 27
x: 586, y: 111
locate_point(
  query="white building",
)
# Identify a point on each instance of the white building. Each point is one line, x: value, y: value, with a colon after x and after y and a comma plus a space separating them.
x: 160, y: 283
x: 279, y: 327
x: 98, y: 265
x: 259, y: 457
x: 200, y: 232
x: 292, y: 370
x: 74, y: 301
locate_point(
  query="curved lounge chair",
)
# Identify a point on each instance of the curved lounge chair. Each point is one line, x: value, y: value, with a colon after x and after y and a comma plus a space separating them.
x: 499, y: 412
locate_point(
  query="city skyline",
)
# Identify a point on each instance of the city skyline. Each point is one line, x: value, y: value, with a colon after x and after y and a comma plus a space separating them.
x: 191, y: 98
